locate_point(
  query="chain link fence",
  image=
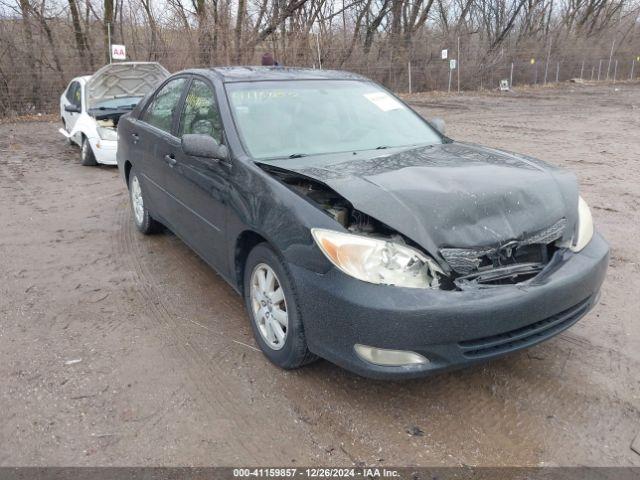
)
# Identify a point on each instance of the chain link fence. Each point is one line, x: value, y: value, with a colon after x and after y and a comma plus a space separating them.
x: 25, y: 92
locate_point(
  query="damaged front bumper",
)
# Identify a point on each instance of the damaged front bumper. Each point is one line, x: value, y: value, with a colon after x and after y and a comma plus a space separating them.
x: 104, y: 150
x: 451, y: 329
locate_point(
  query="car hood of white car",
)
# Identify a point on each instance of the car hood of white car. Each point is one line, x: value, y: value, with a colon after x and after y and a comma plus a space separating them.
x: 124, y: 79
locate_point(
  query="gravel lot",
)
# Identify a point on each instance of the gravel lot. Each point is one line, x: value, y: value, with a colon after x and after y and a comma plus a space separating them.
x: 118, y: 349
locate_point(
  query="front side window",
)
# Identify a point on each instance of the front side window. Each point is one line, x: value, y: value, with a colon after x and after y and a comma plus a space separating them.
x: 159, y: 113
x: 73, y: 93
x: 200, y: 114
x: 311, y: 117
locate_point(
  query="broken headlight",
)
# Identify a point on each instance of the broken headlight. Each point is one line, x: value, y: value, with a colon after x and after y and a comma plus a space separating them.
x: 107, y: 133
x: 379, y: 261
x: 584, y: 232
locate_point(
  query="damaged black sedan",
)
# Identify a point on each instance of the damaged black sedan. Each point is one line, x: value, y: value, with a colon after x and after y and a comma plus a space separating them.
x: 355, y: 230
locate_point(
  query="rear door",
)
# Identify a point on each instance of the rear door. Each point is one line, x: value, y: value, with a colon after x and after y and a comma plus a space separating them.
x: 200, y: 185
x: 152, y: 136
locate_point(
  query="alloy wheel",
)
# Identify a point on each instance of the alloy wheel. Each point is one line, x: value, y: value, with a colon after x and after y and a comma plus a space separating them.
x: 136, y: 200
x: 269, y: 306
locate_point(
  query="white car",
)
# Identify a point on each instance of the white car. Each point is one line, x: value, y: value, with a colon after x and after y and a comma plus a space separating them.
x: 91, y: 106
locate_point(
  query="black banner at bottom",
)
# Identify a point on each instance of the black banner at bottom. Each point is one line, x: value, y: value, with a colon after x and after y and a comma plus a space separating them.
x: 412, y: 473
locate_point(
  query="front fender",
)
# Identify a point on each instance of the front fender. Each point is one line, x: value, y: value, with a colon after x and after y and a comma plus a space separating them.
x: 261, y: 204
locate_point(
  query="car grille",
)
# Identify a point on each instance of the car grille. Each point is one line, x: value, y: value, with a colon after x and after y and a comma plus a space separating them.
x: 464, y: 261
x: 524, y: 336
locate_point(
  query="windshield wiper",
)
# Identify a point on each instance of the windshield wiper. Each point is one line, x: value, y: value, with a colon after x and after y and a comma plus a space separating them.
x: 297, y: 155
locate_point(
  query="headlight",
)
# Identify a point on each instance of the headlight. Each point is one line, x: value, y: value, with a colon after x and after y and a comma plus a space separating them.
x: 107, y: 133
x: 378, y: 261
x: 585, y: 227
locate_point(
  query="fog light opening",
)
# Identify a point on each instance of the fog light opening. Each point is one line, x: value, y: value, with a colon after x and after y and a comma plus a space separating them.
x: 389, y: 358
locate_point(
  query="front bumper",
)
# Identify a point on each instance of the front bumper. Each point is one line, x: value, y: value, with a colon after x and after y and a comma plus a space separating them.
x: 450, y: 328
x: 104, y: 150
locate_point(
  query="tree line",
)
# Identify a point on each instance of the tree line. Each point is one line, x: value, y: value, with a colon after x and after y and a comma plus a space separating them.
x: 44, y: 43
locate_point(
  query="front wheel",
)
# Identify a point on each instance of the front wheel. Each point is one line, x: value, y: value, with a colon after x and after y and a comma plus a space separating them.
x: 141, y: 216
x: 271, y: 302
x: 87, y: 158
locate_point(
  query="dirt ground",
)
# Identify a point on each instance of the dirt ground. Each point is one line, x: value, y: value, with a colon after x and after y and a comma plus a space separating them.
x: 119, y: 349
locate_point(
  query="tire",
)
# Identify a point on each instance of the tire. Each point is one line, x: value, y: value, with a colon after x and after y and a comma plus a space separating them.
x: 141, y: 216
x: 87, y: 158
x: 292, y: 352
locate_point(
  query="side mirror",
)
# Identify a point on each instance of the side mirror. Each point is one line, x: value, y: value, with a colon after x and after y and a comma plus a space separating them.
x: 72, y: 108
x: 438, y: 124
x: 200, y: 145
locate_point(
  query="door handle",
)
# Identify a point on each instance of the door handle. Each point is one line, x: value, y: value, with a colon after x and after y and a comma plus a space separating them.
x: 170, y: 159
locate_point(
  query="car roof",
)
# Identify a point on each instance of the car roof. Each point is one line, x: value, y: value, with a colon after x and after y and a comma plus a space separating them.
x: 257, y: 74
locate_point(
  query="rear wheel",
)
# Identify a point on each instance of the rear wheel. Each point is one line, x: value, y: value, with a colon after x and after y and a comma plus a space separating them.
x: 141, y: 216
x: 86, y: 154
x: 272, y: 305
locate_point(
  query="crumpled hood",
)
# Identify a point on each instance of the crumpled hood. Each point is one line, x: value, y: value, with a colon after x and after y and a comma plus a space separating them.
x: 124, y: 79
x: 451, y: 195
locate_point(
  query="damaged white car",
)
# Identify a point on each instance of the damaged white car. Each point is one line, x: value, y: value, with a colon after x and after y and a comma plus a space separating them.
x: 91, y: 106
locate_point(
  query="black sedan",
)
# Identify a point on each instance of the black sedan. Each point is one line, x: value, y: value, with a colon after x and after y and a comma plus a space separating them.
x: 355, y: 230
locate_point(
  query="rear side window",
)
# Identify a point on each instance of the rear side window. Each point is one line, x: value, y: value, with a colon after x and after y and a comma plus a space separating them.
x: 200, y: 113
x: 160, y: 111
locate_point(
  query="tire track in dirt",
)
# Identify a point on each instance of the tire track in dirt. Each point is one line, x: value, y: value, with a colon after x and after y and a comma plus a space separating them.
x: 149, y: 295
x: 245, y: 432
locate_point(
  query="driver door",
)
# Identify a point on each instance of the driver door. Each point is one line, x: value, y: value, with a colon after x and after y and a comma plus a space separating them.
x: 72, y: 97
x: 200, y: 185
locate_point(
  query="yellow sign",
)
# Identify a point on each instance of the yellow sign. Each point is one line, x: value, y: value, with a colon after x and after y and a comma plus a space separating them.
x: 533, y: 60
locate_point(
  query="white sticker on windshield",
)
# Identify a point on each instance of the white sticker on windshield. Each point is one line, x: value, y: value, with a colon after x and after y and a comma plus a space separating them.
x: 383, y: 101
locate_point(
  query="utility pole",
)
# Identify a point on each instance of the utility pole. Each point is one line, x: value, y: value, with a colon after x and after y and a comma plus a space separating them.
x: 318, y: 47
x: 109, y: 40
x: 458, y: 62
x: 546, y: 65
x: 610, y: 57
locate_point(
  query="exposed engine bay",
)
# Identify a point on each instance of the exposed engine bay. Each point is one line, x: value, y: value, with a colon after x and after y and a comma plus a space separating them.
x: 107, y: 119
x: 333, y: 204
x: 511, y: 263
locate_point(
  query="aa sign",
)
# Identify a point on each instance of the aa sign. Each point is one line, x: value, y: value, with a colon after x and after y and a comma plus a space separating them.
x: 118, y: 52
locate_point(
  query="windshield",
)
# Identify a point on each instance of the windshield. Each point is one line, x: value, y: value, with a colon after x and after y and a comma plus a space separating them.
x: 120, y: 103
x: 298, y: 118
